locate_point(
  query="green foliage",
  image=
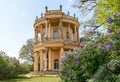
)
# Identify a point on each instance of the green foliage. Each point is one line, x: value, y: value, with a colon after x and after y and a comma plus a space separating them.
x: 107, y: 8
x: 25, y: 67
x: 11, y: 68
x: 99, y: 56
x: 26, y: 52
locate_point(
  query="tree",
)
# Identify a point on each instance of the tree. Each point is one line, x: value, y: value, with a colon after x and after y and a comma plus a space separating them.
x: 9, y: 66
x: 106, y: 9
x: 85, y: 6
x: 26, y: 52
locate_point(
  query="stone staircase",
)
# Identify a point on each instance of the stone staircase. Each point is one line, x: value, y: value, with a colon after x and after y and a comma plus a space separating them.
x: 49, y: 72
x: 43, y: 73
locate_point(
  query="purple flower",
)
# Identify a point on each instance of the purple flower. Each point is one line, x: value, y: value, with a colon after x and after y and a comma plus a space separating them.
x: 86, y: 33
x: 75, y: 49
x: 107, y: 46
x: 64, y: 71
x: 118, y: 32
x: 89, y: 31
x: 118, y: 65
x: 68, y: 54
x: 71, y: 66
x: 109, y: 30
x: 111, y: 69
x: 82, y: 44
x: 76, y: 59
x: 109, y: 19
x: 95, y: 46
x: 63, y: 60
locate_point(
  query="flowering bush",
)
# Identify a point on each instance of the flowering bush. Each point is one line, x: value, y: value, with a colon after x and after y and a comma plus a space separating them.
x: 97, y: 60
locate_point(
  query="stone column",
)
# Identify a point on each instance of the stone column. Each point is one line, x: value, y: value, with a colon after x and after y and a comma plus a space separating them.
x: 41, y: 32
x: 46, y: 29
x: 36, y: 36
x: 50, y: 65
x: 61, y: 29
x: 46, y: 64
x: 49, y: 30
x: 78, y: 35
x: 69, y: 30
x: 75, y: 34
x: 41, y: 60
x: 36, y: 62
x: 69, y: 27
x: 60, y: 57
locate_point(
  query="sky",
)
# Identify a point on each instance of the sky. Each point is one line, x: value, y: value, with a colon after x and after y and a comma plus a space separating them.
x: 17, y: 18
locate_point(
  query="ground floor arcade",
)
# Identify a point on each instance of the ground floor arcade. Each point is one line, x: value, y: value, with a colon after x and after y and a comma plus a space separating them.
x: 49, y: 59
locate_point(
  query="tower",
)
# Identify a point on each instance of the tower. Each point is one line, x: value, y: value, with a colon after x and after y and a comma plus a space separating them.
x: 55, y: 34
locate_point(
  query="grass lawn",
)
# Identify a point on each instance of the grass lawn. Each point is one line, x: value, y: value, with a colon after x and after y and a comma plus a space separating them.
x: 35, y: 79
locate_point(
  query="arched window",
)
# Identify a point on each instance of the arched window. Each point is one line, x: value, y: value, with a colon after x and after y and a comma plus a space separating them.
x: 56, y: 64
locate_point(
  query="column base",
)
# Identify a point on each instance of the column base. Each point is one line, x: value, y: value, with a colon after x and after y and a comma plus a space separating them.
x: 36, y: 72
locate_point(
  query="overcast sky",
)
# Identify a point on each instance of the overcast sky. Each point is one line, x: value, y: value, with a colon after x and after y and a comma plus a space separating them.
x: 17, y: 18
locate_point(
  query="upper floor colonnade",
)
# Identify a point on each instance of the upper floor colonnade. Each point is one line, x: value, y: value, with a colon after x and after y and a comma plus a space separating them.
x: 55, y: 25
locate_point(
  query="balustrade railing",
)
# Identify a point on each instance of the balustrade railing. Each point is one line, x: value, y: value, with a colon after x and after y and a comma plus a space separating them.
x: 52, y: 39
x: 57, y: 39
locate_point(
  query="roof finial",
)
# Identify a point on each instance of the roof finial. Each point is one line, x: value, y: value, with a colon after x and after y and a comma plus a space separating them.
x: 74, y: 15
x: 68, y: 12
x: 36, y: 18
x: 46, y: 8
x: 41, y: 14
x: 61, y: 7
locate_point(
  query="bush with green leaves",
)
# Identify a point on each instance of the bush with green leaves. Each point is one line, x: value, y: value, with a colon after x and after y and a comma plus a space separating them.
x: 10, y: 67
x: 96, y: 60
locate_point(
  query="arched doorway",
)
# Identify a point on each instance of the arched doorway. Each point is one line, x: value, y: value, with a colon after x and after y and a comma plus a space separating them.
x: 56, y: 64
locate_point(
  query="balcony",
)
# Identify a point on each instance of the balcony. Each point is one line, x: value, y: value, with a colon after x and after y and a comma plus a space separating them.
x: 53, y: 39
x: 56, y: 40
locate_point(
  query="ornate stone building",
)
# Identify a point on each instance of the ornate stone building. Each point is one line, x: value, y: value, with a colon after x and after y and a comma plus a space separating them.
x: 55, y: 33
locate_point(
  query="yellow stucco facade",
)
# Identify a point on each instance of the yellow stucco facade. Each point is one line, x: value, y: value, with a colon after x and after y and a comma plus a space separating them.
x: 55, y: 34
